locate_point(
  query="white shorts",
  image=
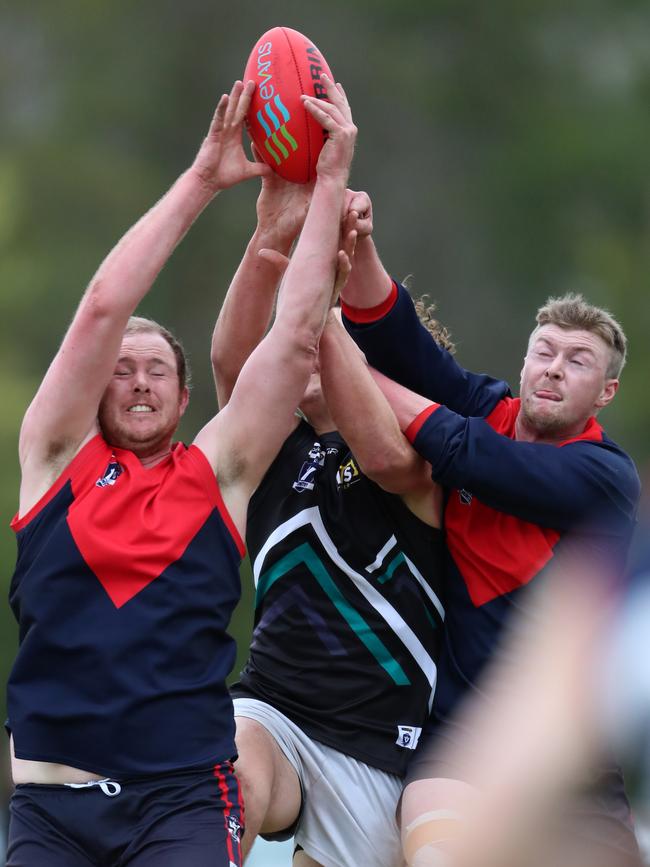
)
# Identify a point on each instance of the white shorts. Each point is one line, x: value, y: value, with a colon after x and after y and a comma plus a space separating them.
x: 348, y: 815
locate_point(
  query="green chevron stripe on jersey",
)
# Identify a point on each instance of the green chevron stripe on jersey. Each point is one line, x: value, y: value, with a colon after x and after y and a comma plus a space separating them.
x: 312, y: 517
x: 306, y: 554
x: 346, y: 656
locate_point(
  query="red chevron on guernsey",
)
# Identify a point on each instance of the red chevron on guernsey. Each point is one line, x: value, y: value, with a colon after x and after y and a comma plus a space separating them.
x: 127, y: 555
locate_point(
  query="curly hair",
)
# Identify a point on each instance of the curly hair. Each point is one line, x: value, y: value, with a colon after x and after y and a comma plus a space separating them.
x: 425, y: 311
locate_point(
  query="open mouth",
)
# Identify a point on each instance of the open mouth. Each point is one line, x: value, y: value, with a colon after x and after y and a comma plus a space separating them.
x: 140, y: 407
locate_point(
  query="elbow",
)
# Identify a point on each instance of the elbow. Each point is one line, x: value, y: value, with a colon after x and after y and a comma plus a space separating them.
x: 301, y: 340
x: 101, y: 303
x: 97, y: 302
x: 376, y: 467
x: 382, y: 464
x: 217, y: 356
x: 226, y: 358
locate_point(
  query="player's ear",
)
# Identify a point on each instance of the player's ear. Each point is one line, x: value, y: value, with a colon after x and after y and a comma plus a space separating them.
x: 607, y: 394
x: 184, y: 399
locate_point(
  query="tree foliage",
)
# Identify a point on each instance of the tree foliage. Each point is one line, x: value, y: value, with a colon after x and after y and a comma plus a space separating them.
x: 504, y: 145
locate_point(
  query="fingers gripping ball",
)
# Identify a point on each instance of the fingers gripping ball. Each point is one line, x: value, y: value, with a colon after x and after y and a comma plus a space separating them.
x: 284, y: 64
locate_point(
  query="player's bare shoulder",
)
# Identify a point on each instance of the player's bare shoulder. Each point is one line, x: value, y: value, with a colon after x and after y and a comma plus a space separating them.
x: 43, y: 457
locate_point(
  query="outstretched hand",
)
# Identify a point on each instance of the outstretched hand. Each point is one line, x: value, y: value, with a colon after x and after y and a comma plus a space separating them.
x: 282, y: 205
x: 221, y: 161
x: 335, y: 117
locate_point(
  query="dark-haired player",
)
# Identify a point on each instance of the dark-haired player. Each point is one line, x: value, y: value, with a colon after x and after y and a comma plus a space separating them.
x: 525, y: 477
x: 129, y: 546
x: 346, y: 561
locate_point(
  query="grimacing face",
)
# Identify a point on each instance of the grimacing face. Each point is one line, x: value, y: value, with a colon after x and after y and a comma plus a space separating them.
x: 143, y: 403
x: 563, y: 381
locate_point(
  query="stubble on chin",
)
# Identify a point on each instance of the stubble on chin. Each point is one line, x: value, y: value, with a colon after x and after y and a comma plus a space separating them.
x: 121, y: 437
x: 542, y: 423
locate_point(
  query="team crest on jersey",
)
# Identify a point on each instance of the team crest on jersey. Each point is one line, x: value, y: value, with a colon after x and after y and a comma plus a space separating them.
x: 309, y: 470
x: 111, y: 474
x: 408, y: 737
x: 348, y: 473
x: 465, y: 497
x: 234, y: 828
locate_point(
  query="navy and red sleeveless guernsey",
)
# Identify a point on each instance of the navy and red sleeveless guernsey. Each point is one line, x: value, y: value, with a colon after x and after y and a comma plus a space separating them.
x: 124, y: 586
x: 348, y: 617
x: 511, y: 506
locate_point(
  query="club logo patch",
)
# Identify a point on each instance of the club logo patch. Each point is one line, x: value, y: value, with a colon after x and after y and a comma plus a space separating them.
x: 309, y: 470
x: 408, y: 737
x: 111, y: 474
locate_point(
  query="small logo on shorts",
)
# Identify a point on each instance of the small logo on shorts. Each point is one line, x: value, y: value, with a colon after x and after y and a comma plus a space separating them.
x: 408, y: 737
x: 234, y: 828
x: 111, y: 473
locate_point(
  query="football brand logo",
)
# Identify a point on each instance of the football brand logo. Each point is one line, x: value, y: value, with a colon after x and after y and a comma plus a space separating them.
x: 267, y: 92
x: 408, y: 737
x: 465, y: 497
x: 279, y: 152
x: 111, y: 474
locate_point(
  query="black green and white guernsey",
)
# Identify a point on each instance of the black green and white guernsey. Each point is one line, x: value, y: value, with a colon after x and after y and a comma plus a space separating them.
x: 348, y: 617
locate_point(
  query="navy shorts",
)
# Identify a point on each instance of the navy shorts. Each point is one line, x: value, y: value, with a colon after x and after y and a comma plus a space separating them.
x: 187, y: 818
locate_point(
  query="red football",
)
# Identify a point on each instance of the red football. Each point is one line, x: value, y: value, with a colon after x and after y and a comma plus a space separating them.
x: 285, y: 64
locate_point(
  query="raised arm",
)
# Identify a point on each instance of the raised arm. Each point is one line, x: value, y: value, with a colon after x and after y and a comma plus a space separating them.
x: 381, y: 317
x: 243, y: 439
x: 247, y: 309
x: 561, y: 487
x: 369, y: 285
x: 64, y: 411
x: 369, y: 426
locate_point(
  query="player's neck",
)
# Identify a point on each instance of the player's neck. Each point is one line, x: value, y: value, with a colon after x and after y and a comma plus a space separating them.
x: 149, y: 456
x: 318, y: 416
x: 153, y: 460
x: 529, y: 433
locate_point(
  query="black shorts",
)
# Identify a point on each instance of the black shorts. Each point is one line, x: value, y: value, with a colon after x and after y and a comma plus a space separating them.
x: 180, y: 819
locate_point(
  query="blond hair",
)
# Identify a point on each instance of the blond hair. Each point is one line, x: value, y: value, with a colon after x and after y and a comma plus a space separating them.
x: 425, y: 311
x: 571, y: 311
x: 436, y: 329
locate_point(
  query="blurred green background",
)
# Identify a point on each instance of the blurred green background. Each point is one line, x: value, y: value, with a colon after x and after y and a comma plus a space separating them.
x: 505, y: 146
